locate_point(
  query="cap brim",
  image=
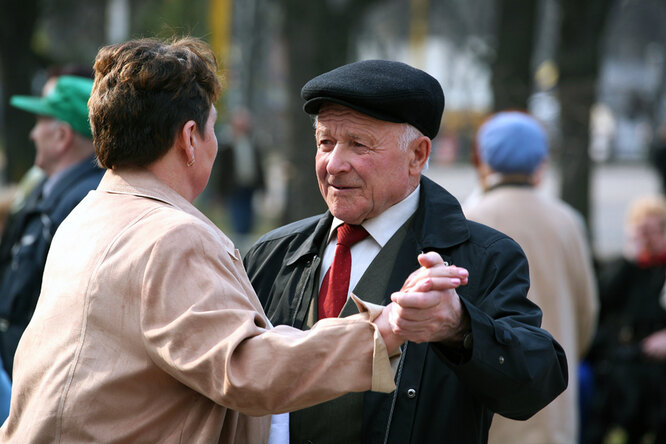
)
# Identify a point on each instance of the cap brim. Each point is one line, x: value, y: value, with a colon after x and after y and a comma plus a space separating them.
x: 312, y: 107
x: 35, y: 105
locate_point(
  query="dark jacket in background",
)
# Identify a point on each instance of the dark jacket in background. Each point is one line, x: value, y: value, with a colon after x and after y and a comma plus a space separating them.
x: 24, y: 246
x: 228, y: 177
x: 515, y: 368
x: 630, y: 388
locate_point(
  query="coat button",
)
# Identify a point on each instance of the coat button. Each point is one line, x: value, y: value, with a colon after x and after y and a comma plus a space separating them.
x: 501, y: 360
x: 411, y: 393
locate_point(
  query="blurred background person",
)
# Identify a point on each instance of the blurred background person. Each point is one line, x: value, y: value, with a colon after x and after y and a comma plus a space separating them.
x: 629, y: 351
x: 35, y: 175
x: 512, y: 149
x: 241, y: 175
x: 65, y: 153
x: 7, y: 198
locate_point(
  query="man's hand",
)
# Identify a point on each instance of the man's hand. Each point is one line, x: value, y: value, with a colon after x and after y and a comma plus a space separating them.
x: 427, y: 308
x: 392, y: 340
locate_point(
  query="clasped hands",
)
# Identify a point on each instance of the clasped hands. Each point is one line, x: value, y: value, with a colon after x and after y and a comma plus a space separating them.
x: 427, y: 308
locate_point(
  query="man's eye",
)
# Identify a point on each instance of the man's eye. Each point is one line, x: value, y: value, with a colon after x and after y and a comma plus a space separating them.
x: 325, y: 143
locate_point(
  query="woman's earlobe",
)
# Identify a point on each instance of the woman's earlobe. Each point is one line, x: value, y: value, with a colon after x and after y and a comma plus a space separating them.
x: 190, y: 155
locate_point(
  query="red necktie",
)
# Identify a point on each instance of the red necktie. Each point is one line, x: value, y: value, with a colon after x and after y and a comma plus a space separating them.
x: 334, y: 287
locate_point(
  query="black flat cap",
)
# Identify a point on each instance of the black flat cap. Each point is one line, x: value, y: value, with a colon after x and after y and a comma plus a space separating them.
x: 385, y: 90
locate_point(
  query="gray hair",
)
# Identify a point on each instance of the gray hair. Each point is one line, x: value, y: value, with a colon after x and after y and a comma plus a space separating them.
x: 409, y: 134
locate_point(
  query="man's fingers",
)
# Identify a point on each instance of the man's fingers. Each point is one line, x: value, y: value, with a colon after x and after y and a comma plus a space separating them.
x: 412, y: 315
x: 442, y: 277
x: 419, y: 300
x: 430, y: 259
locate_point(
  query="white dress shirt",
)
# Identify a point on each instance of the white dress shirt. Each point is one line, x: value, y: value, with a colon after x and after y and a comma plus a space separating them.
x: 381, y: 228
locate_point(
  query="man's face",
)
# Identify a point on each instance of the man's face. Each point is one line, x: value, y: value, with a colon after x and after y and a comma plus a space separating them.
x: 47, y: 135
x: 361, y: 168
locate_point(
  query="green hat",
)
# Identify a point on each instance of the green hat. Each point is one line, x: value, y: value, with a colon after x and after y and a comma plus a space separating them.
x: 67, y: 101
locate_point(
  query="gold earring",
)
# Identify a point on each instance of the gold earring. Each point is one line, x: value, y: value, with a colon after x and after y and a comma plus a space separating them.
x: 190, y: 163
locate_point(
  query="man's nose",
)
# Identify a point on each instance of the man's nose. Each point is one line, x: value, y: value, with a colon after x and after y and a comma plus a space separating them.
x: 31, y: 134
x: 338, y: 160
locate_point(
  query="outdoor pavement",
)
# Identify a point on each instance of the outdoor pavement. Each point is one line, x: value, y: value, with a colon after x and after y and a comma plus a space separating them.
x: 613, y: 187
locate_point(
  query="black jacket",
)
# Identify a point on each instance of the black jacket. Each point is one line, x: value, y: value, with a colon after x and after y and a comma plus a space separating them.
x: 515, y: 368
x: 25, y: 245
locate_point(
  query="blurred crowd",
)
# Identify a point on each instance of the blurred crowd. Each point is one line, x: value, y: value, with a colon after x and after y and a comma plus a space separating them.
x: 609, y: 314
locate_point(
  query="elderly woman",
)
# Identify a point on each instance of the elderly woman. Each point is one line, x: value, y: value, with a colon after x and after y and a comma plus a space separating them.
x: 147, y: 328
x: 629, y: 351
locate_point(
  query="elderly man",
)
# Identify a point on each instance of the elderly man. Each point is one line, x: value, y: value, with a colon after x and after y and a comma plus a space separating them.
x: 512, y: 151
x: 483, y: 351
x: 65, y: 153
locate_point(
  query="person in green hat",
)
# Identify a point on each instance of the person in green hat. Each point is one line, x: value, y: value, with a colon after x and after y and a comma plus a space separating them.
x: 65, y: 153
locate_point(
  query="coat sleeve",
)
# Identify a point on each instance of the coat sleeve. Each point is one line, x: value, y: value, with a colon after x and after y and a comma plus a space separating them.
x: 203, y: 324
x: 515, y: 367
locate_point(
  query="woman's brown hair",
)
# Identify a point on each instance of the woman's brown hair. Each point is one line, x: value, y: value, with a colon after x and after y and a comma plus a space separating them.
x: 144, y: 91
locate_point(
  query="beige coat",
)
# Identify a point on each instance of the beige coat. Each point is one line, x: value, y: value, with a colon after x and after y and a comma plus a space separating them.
x: 148, y: 331
x: 562, y: 283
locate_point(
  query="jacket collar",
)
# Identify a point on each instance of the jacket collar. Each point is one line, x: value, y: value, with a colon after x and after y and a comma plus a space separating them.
x: 68, y: 180
x: 312, y: 245
x: 438, y: 223
x: 143, y: 183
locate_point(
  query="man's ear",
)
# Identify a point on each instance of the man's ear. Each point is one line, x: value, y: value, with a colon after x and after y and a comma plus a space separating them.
x: 485, y: 172
x: 65, y: 136
x: 420, y: 149
x: 539, y: 173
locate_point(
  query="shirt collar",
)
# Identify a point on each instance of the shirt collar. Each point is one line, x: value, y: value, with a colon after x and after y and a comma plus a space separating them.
x: 381, y: 228
x: 52, y: 180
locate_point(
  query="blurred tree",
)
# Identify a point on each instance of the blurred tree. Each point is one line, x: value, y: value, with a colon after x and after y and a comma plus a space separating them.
x: 319, y: 38
x: 163, y: 19
x: 579, y: 60
x: 511, y: 68
x: 18, y: 63
x: 580, y: 52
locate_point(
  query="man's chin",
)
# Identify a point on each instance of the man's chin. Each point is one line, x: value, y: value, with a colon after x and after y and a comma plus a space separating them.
x: 352, y: 217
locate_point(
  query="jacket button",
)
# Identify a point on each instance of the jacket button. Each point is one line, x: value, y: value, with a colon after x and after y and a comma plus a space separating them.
x: 501, y: 360
x: 411, y: 393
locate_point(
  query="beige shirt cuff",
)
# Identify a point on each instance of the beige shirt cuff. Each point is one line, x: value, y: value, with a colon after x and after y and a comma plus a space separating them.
x: 384, y: 366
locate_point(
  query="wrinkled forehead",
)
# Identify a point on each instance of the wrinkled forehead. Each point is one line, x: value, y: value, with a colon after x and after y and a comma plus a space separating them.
x: 333, y: 116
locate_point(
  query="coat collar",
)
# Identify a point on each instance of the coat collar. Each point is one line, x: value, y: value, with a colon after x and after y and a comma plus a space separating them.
x: 438, y: 223
x: 71, y: 177
x: 312, y: 245
x: 143, y: 183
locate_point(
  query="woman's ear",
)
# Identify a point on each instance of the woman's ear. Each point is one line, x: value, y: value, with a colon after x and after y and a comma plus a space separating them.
x: 187, y: 140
